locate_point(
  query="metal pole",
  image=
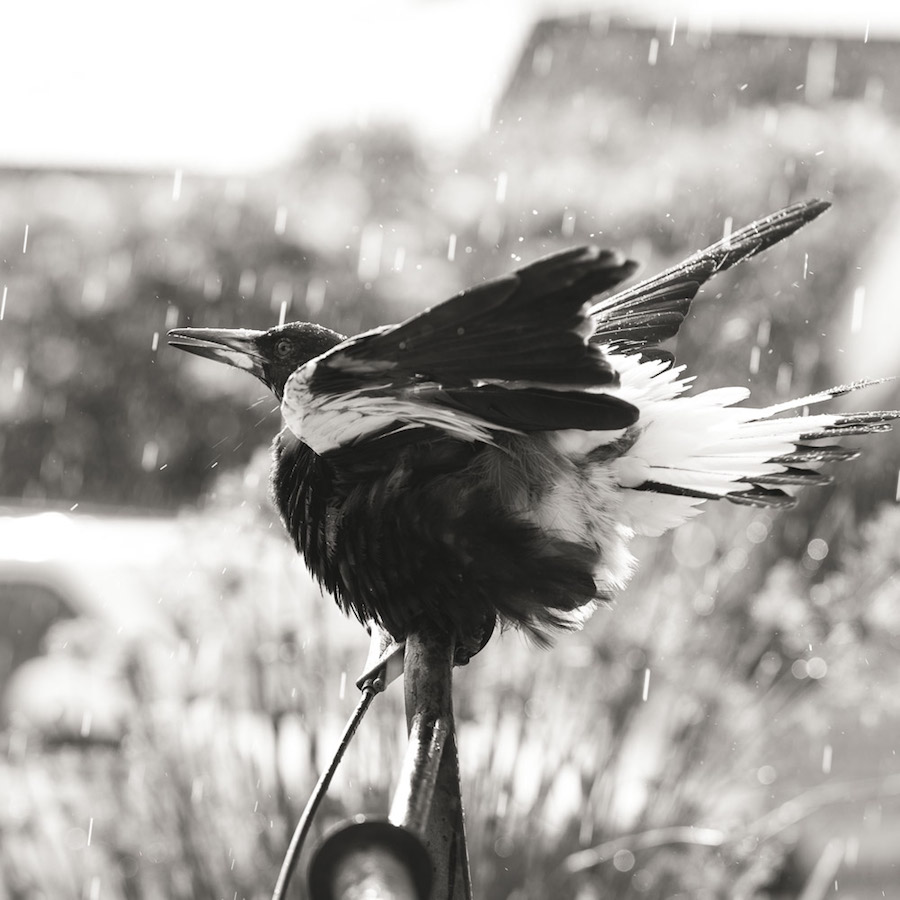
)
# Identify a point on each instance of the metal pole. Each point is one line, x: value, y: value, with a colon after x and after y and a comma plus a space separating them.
x: 428, y: 800
x: 420, y: 852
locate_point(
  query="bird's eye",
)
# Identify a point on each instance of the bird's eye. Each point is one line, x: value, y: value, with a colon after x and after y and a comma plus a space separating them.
x: 284, y: 348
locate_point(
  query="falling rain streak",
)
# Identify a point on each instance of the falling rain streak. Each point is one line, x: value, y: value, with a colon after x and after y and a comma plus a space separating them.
x: 754, y: 360
x: 154, y: 344
x: 653, y: 52
x: 176, y: 185
x: 370, y: 242
x: 3, y: 304
x: 280, y: 220
x: 784, y: 378
x: 827, y: 754
x: 451, y: 248
x: 856, y: 317
x: 25, y: 241
x: 645, y: 692
x: 150, y: 456
x: 501, y: 187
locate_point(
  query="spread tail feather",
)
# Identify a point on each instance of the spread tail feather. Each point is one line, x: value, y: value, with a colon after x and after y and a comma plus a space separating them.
x: 696, y: 448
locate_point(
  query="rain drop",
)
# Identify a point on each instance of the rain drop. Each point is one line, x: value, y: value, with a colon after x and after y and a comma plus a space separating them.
x: 501, y: 187
x: 856, y: 317
x: 817, y: 549
x: 754, y: 360
x: 726, y: 230
x: 783, y: 378
x: 280, y: 220
x: 282, y: 295
x: 369, y: 263
x: 247, y: 283
x: 150, y: 456
x: 816, y: 668
x: 315, y: 296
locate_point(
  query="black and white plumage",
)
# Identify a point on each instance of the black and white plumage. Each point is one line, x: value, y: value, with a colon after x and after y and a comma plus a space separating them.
x: 494, y: 455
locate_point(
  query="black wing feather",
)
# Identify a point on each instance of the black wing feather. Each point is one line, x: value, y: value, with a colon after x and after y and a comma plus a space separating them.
x: 653, y: 311
x: 529, y: 326
x: 543, y: 409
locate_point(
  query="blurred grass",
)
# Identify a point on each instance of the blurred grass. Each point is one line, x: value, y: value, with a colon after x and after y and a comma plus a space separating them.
x: 560, y: 752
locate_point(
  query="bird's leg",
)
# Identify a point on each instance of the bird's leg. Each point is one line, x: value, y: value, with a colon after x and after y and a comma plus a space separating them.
x: 384, y: 663
x: 428, y: 799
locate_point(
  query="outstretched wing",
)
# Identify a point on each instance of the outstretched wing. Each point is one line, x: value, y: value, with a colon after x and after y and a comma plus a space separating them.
x: 652, y: 311
x: 512, y: 354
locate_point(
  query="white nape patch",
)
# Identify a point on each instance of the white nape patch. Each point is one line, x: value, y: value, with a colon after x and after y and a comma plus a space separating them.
x: 326, y: 422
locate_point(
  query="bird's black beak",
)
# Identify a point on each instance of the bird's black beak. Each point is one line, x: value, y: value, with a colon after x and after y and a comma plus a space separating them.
x: 234, y: 346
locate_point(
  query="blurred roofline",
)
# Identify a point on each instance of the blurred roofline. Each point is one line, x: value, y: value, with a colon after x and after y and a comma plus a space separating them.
x: 858, y: 22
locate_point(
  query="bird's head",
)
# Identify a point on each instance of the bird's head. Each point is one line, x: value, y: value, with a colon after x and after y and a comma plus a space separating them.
x: 269, y: 355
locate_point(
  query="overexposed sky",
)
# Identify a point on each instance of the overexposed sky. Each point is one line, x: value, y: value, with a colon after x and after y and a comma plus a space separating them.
x: 228, y: 86
x: 231, y: 87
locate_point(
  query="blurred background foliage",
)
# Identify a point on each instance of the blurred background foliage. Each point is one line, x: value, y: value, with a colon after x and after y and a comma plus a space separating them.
x: 708, y: 738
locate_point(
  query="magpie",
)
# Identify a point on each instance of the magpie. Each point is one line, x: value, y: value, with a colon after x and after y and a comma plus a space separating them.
x: 492, y: 457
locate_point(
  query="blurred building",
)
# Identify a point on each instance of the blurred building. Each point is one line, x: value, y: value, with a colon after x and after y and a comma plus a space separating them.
x: 696, y: 74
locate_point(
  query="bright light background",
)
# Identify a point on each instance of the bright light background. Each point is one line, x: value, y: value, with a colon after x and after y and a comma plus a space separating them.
x: 231, y: 87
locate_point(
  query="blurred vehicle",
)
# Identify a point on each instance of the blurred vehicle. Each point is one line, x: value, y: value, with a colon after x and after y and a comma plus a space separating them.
x: 68, y: 582
x: 102, y: 614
